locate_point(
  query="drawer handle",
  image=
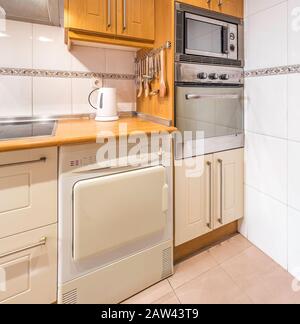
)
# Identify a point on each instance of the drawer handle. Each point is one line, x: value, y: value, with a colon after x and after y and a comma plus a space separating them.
x: 42, y: 159
x: 42, y: 242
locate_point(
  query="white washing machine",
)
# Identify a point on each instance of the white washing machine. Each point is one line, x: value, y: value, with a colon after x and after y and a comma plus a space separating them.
x: 115, y: 226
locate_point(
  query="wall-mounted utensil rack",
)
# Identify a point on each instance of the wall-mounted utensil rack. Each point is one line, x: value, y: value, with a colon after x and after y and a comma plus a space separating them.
x: 151, y: 67
x: 155, y: 51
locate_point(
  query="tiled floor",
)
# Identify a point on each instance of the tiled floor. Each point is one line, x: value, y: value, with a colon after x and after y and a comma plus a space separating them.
x: 234, y: 272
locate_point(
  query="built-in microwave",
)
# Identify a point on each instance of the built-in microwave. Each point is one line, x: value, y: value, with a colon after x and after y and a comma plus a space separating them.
x: 204, y: 36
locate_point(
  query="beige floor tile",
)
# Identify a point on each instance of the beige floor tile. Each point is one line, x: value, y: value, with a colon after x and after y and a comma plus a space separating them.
x: 230, y: 248
x: 169, y: 299
x: 192, y: 268
x: 152, y: 294
x: 212, y: 287
x: 248, y: 267
x: 274, y: 287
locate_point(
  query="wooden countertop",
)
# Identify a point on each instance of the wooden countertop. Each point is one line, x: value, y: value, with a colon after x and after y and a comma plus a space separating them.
x: 85, y: 131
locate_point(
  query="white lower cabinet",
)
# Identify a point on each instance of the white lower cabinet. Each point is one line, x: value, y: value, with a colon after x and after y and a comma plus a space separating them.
x: 208, y: 194
x: 28, y: 190
x: 28, y: 267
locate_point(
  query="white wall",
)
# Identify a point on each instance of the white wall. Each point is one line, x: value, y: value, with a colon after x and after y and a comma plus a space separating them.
x: 272, y: 219
x: 32, y: 46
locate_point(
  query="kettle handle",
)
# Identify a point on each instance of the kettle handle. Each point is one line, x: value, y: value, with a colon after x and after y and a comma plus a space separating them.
x: 101, y: 100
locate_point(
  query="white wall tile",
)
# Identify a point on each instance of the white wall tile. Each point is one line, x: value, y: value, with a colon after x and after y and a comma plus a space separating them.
x: 266, y: 105
x: 16, y: 45
x: 294, y: 31
x: 120, y: 61
x: 88, y: 59
x: 294, y: 242
x: 294, y: 175
x: 126, y: 93
x: 51, y: 96
x: 266, y: 38
x: 15, y: 96
x: 81, y: 89
x: 49, y: 49
x: 267, y: 225
x: 253, y: 6
x: 266, y: 165
x: 294, y: 107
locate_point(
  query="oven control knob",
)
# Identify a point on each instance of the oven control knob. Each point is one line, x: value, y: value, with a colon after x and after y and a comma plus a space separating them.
x: 214, y: 76
x: 232, y: 48
x: 224, y: 77
x: 202, y: 76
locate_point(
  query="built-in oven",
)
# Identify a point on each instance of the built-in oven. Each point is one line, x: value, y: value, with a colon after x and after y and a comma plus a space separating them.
x: 207, y: 37
x: 209, y: 109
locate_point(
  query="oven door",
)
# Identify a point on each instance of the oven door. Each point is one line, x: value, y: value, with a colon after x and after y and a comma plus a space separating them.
x: 207, y: 37
x: 209, y: 119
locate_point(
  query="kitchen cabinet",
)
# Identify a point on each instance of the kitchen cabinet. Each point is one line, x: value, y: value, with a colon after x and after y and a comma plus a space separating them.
x: 193, y: 198
x: 229, y: 187
x: 209, y: 196
x: 229, y: 7
x: 28, y: 190
x: 97, y: 16
x: 115, y: 22
x: 28, y: 267
x: 135, y: 19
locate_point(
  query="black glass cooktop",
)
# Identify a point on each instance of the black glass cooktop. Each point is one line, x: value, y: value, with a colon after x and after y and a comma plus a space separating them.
x: 26, y: 129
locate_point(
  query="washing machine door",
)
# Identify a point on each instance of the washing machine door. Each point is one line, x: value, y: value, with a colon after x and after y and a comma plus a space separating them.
x: 113, y: 211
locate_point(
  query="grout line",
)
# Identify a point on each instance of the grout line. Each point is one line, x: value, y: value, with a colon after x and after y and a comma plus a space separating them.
x: 174, y: 291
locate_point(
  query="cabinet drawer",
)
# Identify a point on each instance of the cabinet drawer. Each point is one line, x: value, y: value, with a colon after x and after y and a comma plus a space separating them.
x: 28, y: 267
x: 28, y: 190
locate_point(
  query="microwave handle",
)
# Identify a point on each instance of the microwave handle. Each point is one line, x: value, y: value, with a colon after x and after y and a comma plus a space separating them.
x: 208, y: 96
x: 225, y: 40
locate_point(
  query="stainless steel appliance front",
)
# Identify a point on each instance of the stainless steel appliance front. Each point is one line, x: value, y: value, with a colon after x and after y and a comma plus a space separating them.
x: 209, y: 109
x: 203, y: 36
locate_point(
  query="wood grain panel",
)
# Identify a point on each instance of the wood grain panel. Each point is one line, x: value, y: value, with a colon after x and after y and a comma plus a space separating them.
x: 185, y: 250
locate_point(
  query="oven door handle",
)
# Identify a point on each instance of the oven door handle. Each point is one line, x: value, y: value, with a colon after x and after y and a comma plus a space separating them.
x: 208, y: 96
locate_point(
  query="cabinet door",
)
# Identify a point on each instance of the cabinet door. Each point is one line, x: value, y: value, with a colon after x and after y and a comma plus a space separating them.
x: 136, y: 19
x: 193, y: 198
x: 28, y: 190
x: 28, y: 267
x: 229, y: 187
x: 206, y: 4
x: 230, y: 7
x: 97, y: 16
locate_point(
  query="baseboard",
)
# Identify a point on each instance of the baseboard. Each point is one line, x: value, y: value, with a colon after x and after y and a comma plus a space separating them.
x: 185, y: 250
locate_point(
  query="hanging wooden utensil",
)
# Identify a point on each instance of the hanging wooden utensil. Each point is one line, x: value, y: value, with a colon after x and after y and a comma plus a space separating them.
x: 140, y: 80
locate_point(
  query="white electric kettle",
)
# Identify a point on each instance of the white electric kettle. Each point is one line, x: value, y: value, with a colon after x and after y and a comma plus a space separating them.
x: 106, y: 104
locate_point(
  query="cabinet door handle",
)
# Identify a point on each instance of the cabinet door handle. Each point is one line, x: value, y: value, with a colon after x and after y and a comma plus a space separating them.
x: 42, y: 159
x: 42, y: 242
x: 124, y: 14
x: 108, y: 13
x: 221, y: 192
x: 220, y: 3
x: 209, y: 224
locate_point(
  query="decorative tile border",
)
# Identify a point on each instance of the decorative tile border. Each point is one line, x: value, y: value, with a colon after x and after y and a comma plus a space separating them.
x: 279, y: 70
x: 64, y: 74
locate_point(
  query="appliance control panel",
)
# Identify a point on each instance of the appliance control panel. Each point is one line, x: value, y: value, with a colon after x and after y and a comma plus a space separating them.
x: 208, y: 74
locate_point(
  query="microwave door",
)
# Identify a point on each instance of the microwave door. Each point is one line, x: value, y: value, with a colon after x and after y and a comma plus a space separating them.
x: 206, y: 37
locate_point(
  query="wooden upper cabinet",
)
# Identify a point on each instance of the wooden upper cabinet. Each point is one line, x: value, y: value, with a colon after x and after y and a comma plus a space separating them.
x: 205, y: 4
x: 135, y: 19
x: 96, y: 16
x: 230, y: 7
